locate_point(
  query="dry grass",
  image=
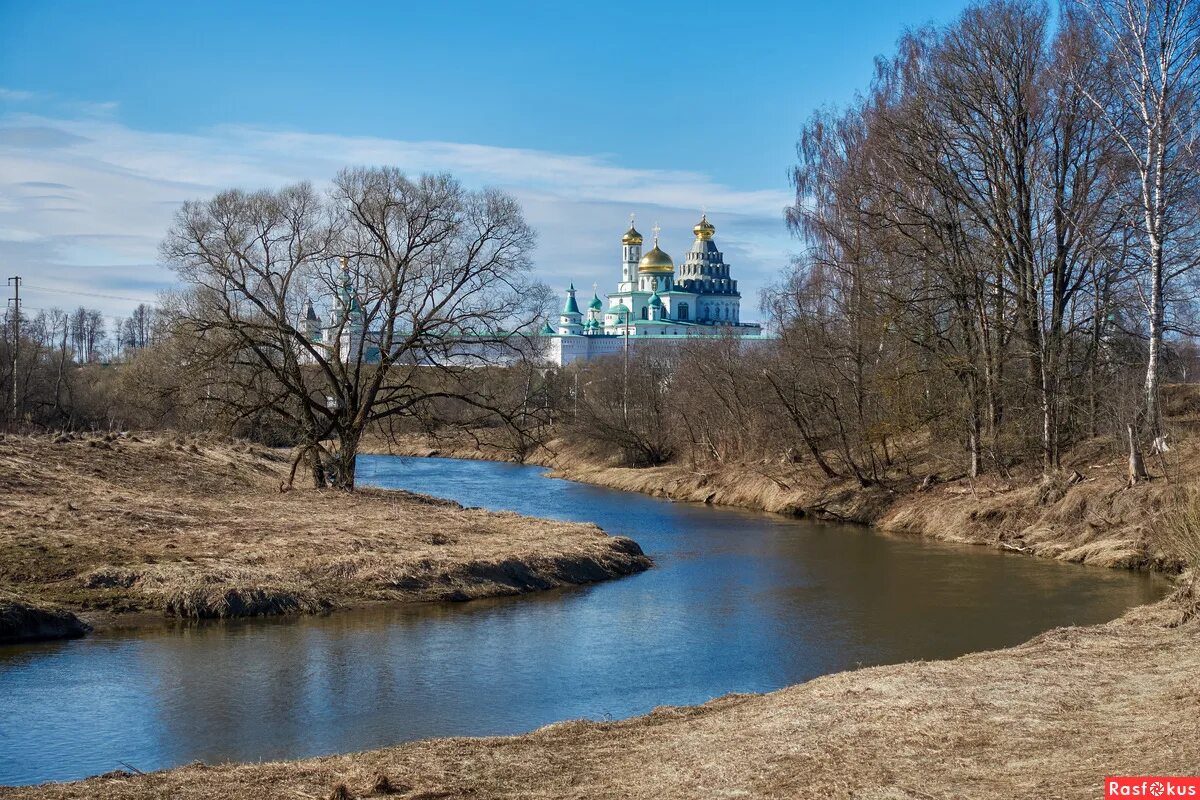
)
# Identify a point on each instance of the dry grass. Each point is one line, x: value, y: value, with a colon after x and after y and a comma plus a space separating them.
x: 1049, y: 718
x: 1180, y: 531
x: 199, y: 528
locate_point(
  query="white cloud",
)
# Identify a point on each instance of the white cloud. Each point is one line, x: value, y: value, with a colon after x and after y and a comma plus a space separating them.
x: 84, y: 201
x: 14, y: 95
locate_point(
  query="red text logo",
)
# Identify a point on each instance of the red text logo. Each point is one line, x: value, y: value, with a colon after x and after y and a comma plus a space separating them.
x: 1152, y: 786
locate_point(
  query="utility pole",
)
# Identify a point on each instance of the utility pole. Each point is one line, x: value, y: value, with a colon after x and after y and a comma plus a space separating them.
x: 15, y: 282
x: 625, y: 371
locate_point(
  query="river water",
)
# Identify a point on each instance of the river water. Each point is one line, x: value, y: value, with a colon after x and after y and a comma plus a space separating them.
x: 738, y: 602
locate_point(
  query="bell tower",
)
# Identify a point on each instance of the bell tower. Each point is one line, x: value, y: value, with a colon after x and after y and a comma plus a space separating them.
x: 631, y: 253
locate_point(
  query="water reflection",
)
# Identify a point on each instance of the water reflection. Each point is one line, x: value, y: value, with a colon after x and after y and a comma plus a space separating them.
x: 738, y: 602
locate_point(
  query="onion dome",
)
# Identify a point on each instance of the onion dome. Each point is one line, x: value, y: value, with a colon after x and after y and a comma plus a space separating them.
x: 656, y: 260
x: 596, y: 304
x: 704, y: 229
x: 655, y: 300
x: 619, y: 309
x: 631, y: 236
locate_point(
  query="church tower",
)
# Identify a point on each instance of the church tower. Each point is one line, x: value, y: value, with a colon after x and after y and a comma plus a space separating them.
x: 347, y: 318
x: 310, y: 325
x: 631, y: 253
x: 570, y: 322
x: 705, y: 272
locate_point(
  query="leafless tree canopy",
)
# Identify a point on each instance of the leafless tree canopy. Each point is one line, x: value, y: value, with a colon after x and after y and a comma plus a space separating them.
x: 977, y: 215
x: 430, y: 280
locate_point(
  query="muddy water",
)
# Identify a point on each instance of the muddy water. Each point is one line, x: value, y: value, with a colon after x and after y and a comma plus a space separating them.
x: 738, y: 602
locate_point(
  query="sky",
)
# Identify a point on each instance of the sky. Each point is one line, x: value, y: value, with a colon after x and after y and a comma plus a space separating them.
x: 112, y: 114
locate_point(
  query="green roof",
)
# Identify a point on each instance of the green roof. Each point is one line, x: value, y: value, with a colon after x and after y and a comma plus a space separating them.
x: 596, y: 303
x: 571, y: 307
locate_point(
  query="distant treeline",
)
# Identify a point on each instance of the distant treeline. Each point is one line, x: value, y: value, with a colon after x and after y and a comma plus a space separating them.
x: 61, y: 365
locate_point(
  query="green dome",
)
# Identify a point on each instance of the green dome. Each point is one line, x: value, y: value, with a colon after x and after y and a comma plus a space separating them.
x: 596, y: 304
x: 619, y: 309
x: 655, y: 300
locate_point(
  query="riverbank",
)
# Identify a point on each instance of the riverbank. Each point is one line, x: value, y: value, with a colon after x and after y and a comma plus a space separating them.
x: 1096, y: 520
x: 109, y: 527
x: 1049, y: 718
x: 22, y: 622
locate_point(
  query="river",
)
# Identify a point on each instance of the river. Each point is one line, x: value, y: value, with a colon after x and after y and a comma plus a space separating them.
x: 738, y: 602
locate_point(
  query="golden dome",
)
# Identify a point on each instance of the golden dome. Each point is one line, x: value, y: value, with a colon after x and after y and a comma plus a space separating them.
x: 656, y: 261
x: 704, y: 229
x: 631, y: 236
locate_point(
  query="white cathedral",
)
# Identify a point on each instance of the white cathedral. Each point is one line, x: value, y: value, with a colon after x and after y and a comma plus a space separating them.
x: 652, y: 304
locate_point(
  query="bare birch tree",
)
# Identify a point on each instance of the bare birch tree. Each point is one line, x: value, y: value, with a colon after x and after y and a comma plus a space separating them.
x: 1150, y: 103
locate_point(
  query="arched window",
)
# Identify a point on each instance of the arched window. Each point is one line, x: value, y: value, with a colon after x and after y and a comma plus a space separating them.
x: 683, y: 311
x: 645, y: 313
x: 726, y: 312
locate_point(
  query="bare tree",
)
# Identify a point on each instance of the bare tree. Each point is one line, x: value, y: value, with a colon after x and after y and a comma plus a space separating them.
x: 632, y: 416
x: 1150, y: 103
x: 135, y: 331
x: 430, y: 280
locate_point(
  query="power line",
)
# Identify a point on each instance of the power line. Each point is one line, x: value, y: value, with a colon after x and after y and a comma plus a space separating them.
x: 85, y: 294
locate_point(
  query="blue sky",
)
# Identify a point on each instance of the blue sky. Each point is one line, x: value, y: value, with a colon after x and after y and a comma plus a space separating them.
x: 113, y: 113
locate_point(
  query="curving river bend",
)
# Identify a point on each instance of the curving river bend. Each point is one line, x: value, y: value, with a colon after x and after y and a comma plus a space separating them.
x: 739, y: 602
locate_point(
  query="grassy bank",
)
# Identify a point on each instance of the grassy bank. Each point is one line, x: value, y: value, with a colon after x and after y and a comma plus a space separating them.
x: 1049, y: 718
x: 199, y: 528
x: 1097, y: 519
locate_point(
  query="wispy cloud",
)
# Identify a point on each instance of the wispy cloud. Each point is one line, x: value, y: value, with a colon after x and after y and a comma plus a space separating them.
x: 14, y: 95
x: 85, y: 200
x: 37, y: 137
